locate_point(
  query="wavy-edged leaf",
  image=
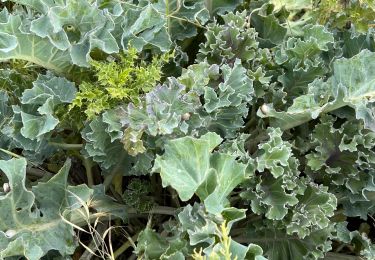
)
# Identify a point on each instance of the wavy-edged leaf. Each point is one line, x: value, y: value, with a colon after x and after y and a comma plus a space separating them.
x: 103, y: 144
x: 342, y: 157
x: 313, y: 211
x: 222, y: 6
x: 189, y: 166
x: 204, y: 230
x: 28, y: 46
x: 362, y: 244
x: 182, y: 17
x: 162, y: 110
x: 230, y: 41
x: 351, y: 85
x: 274, y: 154
x: 144, y: 28
x: 47, y: 92
x: 31, y: 221
x: 279, y: 246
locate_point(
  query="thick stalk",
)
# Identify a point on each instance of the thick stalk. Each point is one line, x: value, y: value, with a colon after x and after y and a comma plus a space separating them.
x: 65, y: 146
x: 336, y: 256
x: 208, y: 4
x: 88, y: 166
x: 125, y: 246
x: 78, y: 219
x: 117, y: 170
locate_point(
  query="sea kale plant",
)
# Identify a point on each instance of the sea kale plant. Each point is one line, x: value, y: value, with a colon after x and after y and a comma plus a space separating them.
x: 187, y: 129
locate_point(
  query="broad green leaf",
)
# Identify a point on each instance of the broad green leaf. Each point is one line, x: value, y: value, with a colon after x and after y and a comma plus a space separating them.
x: 66, y: 33
x: 48, y: 91
x: 30, y: 123
x: 24, y: 45
x: 31, y: 220
x: 271, y: 31
x: 363, y: 245
x: 279, y: 246
x: 144, y: 28
x: 182, y: 17
x: 292, y: 4
x: 222, y: 6
x: 73, y: 29
x: 189, y: 166
x: 351, y: 85
x: 189, y: 159
x: 352, y: 45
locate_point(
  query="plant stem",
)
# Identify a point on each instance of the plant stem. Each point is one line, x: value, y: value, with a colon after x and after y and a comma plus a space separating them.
x: 108, y: 179
x: 336, y: 256
x: 11, y: 154
x: 167, y: 15
x: 125, y: 246
x: 88, y: 166
x: 38, y: 173
x: 67, y: 146
x: 117, y: 183
x: 174, y: 195
x: 208, y: 4
x: 79, y: 220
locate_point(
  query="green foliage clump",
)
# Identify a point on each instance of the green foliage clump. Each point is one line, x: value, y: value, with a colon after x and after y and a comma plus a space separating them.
x: 137, y: 195
x: 256, y: 141
x: 119, y: 81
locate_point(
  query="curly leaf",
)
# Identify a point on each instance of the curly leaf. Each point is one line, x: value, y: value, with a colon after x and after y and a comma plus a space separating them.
x: 211, y: 232
x: 236, y: 89
x: 274, y: 154
x: 343, y: 158
x: 47, y: 92
x: 272, y: 198
x: 162, y: 110
x: 230, y: 41
x: 315, y: 207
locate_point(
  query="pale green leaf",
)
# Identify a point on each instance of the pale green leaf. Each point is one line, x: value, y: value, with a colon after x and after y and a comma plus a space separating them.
x: 182, y: 18
x: 31, y: 221
x: 28, y: 46
x: 351, y: 85
x: 274, y: 154
x: 189, y: 166
x: 279, y: 246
